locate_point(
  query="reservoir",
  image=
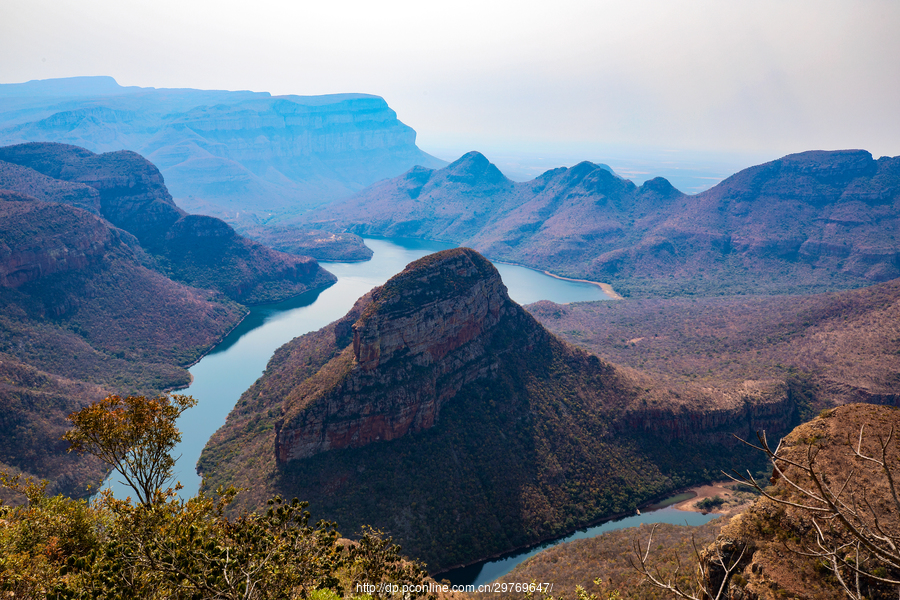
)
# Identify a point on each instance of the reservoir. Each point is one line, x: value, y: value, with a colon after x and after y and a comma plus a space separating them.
x: 231, y: 367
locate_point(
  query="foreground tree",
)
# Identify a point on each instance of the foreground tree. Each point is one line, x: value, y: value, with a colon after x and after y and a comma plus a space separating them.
x: 134, y: 436
x: 165, y: 547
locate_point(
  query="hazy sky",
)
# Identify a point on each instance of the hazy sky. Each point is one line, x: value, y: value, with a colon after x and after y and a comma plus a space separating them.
x: 760, y: 78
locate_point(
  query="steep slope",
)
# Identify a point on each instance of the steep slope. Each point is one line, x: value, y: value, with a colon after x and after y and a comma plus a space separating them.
x: 31, y: 183
x: 206, y: 252
x: 443, y: 413
x: 812, y: 221
x: 243, y: 156
x: 199, y: 251
x: 772, y: 543
x: 82, y: 317
x: 132, y: 194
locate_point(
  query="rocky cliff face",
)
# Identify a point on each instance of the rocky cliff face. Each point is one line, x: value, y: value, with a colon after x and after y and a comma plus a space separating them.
x: 753, y: 406
x: 414, y: 347
x: 130, y: 193
x: 293, y: 127
x: 438, y: 407
x: 241, y: 156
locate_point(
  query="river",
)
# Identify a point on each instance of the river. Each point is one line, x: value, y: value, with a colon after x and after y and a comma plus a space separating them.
x: 221, y: 376
x: 232, y: 366
x: 489, y: 570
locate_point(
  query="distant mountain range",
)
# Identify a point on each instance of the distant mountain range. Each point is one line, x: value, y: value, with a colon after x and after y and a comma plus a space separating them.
x: 106, y: 286
x: 247, y: 157
x: 807, y: 222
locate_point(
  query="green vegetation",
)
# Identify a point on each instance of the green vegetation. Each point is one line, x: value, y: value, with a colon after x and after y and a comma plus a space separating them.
x: 527, y: 454
x: 533, y: 439
x: 709, y: 504
x: 71, y: 338
x: 162, y: 547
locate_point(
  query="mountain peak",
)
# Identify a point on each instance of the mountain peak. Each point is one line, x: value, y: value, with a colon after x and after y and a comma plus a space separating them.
x: 436, y: 277
x: 437, y: 316
x: 659, y: 185
x: 473, y: 168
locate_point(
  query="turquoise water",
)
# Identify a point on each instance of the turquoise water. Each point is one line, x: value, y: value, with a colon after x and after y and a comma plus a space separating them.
x: 231, y: 367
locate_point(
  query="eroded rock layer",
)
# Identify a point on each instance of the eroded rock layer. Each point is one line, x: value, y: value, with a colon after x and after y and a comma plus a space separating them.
x: 415, y: 345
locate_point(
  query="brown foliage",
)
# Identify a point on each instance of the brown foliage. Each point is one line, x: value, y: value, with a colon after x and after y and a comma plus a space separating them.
x: 847, y: 343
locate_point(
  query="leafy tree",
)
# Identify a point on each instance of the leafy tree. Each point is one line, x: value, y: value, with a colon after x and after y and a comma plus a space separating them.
x: 133, y: 435
x: 175, y: 549
x: 167, y: 548
x: 37, y: 537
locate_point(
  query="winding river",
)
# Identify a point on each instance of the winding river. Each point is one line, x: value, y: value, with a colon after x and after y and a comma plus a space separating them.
x: 221, y: 376
x: 489, y: 570
x: 224, y: 373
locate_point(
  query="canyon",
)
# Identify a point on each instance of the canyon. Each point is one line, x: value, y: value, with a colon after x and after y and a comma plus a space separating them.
x: 437, y: 409
x: 197, y: 250
x: 108, y: 287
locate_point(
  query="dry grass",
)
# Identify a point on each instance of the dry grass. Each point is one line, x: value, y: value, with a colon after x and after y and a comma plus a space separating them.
x: 848, y: 342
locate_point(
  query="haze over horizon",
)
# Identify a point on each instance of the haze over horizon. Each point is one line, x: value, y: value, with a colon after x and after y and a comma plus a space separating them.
x: 533, y: 84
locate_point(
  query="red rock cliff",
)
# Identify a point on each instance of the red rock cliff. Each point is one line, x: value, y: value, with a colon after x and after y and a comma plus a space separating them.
x: 422, y: 337
x: 40, y: 239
